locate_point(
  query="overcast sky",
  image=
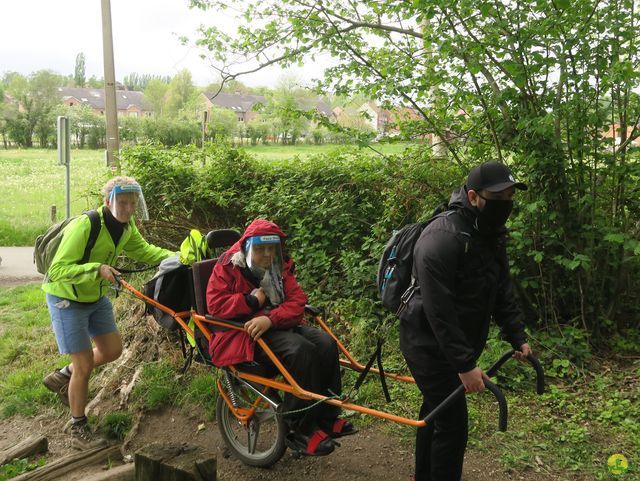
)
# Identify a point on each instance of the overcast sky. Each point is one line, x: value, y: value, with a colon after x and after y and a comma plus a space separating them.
x: 45, y: 34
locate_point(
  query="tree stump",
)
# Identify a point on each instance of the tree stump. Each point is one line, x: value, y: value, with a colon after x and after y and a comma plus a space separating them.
x: 174, y: 462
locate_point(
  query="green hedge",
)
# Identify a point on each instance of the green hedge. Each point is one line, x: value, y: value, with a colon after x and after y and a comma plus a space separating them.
x: 340, y: 208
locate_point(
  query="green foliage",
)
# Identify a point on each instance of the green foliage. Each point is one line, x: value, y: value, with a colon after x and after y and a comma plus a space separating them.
x: 158, y: 386
x: 18, y: 466
x: 116, y: 425
x: 24, y: 330
x: 548, y: 88
x: 201, y: 392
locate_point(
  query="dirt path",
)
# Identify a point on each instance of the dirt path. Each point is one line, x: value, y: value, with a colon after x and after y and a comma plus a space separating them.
x: 17, y: 267
x: 371, y: 455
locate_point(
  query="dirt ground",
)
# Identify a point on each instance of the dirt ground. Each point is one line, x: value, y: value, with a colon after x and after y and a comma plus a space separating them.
x: 370, y: 455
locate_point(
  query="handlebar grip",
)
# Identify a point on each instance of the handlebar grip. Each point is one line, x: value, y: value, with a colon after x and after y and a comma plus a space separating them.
x: 539, y: 373
x: 455, y: 395
x: 498, y: 364
x: 532, y: 360
x: 502, y: 405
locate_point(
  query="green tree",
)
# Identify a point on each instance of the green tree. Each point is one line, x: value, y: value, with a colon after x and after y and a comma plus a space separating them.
x: 283, y: 108
x: 82, y: 120
x: 536, y: 84
x: 32, y: 110
x: 43, y: 92
x: 139, y: 82
x: 182, y: 97
x: 155, y: 94
x: 221, y: 124
x: 4, y: 115
x: 79, y: 77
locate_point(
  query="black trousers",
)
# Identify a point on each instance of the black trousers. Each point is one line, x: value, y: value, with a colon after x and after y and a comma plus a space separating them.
x: 440, y: 446
x: 311, y: 356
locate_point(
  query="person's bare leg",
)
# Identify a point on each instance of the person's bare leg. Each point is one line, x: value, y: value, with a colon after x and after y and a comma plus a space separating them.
x: 83, y: 363
x: 108, y: 348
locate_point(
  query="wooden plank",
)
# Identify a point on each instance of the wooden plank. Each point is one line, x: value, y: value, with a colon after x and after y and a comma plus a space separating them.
x: 34, y: 444
x: 126, y: 472
x: 66, y: 464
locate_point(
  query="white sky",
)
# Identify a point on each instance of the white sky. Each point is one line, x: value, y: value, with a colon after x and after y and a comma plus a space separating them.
x: 46, y: 34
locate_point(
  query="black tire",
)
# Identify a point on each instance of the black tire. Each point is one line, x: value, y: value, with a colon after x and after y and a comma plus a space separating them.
x: 267, y: 445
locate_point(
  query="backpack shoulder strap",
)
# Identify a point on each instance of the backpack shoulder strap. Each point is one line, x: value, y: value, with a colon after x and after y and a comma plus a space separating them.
x: 94, y: 217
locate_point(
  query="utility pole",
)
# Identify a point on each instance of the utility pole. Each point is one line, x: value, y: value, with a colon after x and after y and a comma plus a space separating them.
x: 111, y: 112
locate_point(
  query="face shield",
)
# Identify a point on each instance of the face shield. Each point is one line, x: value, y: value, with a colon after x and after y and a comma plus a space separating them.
x: 264, y: 258
x: 127, y: 201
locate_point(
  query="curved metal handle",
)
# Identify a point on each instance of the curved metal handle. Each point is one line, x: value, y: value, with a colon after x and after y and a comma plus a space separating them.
x: 532, y: 360
x: 502, y: 405
x: 455, y: 395
x: 539, y: 373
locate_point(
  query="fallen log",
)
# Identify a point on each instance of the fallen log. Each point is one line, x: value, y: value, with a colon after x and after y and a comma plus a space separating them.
x: 58, y: 468
x: 126, y: 472
x: 34, y: 444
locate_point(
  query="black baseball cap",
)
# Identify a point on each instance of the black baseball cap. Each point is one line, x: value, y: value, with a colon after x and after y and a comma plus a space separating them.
x: 492, y: 176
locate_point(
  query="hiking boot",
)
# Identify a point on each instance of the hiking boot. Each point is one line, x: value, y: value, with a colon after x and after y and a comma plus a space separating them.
x: 82, y: 438
x: 59, y: 384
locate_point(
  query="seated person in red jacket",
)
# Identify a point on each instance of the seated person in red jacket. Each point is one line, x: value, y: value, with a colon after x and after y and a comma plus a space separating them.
x: 254, y: 282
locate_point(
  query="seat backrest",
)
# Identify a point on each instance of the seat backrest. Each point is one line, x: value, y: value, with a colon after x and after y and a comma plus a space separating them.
x: 222, y: 238
x: 201, y: 273
x: 217, y: 240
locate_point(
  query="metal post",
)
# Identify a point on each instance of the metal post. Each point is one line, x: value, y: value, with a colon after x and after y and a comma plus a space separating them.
x: 111, y: 112
x: 64, y: 156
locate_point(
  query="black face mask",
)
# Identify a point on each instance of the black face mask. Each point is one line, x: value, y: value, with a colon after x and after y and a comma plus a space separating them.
x: 494, y: 215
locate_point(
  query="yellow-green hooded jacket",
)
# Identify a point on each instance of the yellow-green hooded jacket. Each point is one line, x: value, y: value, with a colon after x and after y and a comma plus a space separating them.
x: 82, y: 282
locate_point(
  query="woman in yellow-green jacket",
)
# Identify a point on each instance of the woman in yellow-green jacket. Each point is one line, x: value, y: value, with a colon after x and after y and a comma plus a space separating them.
x: 76, y: 296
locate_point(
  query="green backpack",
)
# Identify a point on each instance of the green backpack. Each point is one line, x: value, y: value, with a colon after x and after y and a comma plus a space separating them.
x: 47, y: 244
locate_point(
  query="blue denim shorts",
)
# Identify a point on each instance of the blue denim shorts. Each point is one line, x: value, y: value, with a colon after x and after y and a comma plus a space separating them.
x: 75, y: 324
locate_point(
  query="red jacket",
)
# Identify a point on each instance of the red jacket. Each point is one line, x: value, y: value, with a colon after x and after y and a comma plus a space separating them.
x: 226, y: 299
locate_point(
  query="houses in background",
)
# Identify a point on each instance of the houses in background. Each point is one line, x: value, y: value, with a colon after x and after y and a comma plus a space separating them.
x: 240, y: 104
x: 246, y: 107
x: 130, y: 103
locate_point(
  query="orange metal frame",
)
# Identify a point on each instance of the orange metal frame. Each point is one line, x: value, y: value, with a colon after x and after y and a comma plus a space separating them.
x: 288, y: 384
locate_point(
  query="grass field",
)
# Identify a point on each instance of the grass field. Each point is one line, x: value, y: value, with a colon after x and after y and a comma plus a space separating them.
x: 33, y: 182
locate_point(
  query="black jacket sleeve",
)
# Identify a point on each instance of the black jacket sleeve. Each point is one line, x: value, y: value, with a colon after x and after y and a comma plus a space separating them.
x: 436, y: 261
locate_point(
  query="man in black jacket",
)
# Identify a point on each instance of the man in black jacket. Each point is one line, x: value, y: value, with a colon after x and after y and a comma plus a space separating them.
x: 463, y: 280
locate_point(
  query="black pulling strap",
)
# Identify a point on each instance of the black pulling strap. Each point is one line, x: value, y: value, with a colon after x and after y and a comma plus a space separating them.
x: 377, y: 355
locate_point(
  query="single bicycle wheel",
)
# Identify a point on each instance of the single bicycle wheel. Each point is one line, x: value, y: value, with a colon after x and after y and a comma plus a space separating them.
x: 258, y: 442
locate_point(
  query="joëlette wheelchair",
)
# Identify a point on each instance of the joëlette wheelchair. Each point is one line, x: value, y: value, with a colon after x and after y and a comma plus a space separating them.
x: 250, y: 395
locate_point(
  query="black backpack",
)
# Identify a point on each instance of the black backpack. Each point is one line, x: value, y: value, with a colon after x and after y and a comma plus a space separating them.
x: 172, y: 287
x: 396, y: 262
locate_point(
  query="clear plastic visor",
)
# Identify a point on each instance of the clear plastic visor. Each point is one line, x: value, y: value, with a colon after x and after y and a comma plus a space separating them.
x: 127, y: 201
x: 264, y: 253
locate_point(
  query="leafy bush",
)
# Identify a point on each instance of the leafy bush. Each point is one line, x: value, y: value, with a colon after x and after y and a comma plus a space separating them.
x: 116, y: 424
x: 339, y: 208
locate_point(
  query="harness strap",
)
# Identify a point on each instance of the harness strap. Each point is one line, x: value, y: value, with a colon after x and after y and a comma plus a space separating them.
x: 376, y: 356
x: 314, y: 441
x: 338, y: 424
